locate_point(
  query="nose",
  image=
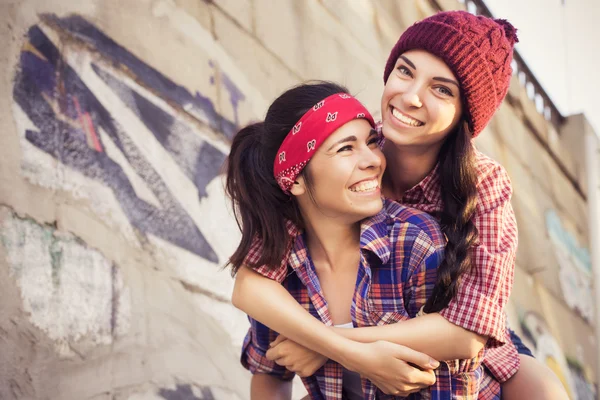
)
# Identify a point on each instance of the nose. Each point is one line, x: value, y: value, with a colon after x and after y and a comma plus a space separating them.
x: 412, y: 98
x: 370, y: 159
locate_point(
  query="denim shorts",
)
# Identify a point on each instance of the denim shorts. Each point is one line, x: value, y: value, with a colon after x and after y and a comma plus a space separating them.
x: 521, y: 348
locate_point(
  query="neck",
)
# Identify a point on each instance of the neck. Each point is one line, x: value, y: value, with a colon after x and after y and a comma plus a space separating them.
x: 406, y: 166
x: 330, y: 243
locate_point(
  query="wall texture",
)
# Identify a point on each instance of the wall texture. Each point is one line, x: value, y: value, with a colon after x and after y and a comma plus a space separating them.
x: 116, y: 118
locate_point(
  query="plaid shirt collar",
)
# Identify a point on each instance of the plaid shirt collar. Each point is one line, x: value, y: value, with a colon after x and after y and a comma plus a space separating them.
x: 373, y: 237
x: 428, y: 188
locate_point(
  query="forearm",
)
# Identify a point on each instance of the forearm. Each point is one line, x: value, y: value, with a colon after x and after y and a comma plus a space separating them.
x: 267, y: 387
x: 431, y: 334
x: 277, y: 309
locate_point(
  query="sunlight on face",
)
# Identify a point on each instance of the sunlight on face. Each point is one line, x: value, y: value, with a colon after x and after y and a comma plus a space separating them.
x: 421, y: 102
x: 345, y: 175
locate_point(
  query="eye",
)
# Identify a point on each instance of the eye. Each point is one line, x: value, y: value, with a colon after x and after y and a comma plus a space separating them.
x: 345, y: 148
x: 404, y: 70
x: 373, y: 140
x: 444, y: 90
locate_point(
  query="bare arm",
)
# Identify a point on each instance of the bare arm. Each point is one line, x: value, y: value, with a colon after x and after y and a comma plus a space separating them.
x: 268, y: 387
x: 275, y: 307
x: 278, y: 310
x: 431, y: 334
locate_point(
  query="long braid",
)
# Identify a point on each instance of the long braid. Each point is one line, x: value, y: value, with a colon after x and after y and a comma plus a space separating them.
x: 458, y: 179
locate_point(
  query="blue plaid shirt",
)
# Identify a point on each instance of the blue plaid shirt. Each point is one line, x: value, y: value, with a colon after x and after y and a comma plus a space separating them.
x: 401, y: 249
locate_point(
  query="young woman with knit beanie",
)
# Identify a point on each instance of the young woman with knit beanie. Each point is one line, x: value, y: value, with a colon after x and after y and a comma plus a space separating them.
x: 444, y: 79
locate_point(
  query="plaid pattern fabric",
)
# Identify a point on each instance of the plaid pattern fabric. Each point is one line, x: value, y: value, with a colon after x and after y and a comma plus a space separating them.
x: 401, y: 249
x: 479, y: 304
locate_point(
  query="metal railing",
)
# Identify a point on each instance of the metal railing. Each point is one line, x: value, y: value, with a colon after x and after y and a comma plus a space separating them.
x: 535, y: 91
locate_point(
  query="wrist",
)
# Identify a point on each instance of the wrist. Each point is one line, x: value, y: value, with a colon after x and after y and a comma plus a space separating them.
x: 344, y: 351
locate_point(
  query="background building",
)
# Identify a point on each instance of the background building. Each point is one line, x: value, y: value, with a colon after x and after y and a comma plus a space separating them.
x: 116, y: 118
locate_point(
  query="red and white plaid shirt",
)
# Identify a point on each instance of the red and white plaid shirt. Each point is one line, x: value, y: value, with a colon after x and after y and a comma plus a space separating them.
x: 480, y: 302
x: 479, y: 305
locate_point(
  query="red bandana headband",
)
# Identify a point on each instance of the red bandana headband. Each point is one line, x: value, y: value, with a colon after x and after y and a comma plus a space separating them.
x: 315, y: 126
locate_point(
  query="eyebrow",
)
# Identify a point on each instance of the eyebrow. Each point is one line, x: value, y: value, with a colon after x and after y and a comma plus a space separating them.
x: 437, y: 78
x: 406, y: 60
x: 346, y: 139
x: 351, y: 138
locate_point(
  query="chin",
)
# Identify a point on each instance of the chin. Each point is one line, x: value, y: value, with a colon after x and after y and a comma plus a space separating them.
x: 371, y: 209
x: 392, y: 134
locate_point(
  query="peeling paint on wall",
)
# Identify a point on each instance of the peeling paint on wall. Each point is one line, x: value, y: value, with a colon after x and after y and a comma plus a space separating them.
x: 70, y: 291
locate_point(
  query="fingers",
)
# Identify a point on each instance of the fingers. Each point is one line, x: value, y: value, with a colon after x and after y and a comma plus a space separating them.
x: 274, y: 353
x: 279, y: 339
x: 417, y: 358
x: 421, y: 379
x: 275, y: 350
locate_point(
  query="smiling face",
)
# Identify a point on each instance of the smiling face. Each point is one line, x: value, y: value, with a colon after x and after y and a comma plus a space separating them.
x: 421, y: 102
x: 345, y: 175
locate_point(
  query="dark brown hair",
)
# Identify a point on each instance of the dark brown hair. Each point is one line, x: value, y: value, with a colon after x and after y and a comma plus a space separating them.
x: 261, y: 208
x: 458, y: 179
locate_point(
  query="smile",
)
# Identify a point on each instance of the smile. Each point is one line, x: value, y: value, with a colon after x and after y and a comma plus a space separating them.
x: 365, y: 186
x: 405, y: 118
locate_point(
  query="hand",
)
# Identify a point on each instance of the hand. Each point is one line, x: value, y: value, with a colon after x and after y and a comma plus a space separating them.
x: 394, y: 369
x: 295, y: 357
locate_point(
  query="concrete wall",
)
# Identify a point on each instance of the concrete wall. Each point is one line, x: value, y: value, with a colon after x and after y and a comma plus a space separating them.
x: 116, y: 118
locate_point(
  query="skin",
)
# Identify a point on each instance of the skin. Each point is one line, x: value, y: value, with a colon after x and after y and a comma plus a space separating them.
x: 267, y: 387
x: 423, y: 89
x: 534, y: 380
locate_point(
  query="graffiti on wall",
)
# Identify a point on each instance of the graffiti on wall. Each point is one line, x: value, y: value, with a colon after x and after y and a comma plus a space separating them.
x: 575, y: 267
x: 124, y: 125
x: 69, y: 290
x: 546, y: 349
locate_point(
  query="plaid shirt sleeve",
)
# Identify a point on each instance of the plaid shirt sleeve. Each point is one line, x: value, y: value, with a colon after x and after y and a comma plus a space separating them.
x: 253, y: 256
x: 425, y: 257
x: 484, y: 291
x: 254, y: 352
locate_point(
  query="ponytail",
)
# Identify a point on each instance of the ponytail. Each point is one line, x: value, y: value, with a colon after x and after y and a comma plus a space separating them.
x: 262, y: 210
x: 260, y: 206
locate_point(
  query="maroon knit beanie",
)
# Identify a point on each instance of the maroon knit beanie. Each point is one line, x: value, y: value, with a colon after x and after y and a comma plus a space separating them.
x: 477, y: 49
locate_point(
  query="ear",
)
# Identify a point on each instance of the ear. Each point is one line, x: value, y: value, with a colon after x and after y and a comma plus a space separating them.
x: 299, y: 186
x: 467, y: 129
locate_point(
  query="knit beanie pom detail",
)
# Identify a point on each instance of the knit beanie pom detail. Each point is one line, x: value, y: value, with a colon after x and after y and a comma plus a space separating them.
x: 509, y: 30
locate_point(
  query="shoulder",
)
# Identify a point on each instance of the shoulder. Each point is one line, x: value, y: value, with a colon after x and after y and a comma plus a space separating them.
x: 417, y: 224
x: 493, y: 183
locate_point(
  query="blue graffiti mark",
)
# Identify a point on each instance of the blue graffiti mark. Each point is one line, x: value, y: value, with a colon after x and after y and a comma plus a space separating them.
x: 198, y: 159
x: 198, y: 105
x: 184, y: 392
x: 235, y: 95
x: 558, y: 232
x: 38, y: 82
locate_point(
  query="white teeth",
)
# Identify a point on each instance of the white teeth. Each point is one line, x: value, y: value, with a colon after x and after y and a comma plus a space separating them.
x: 407, y: 120
x: 366, y: 186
